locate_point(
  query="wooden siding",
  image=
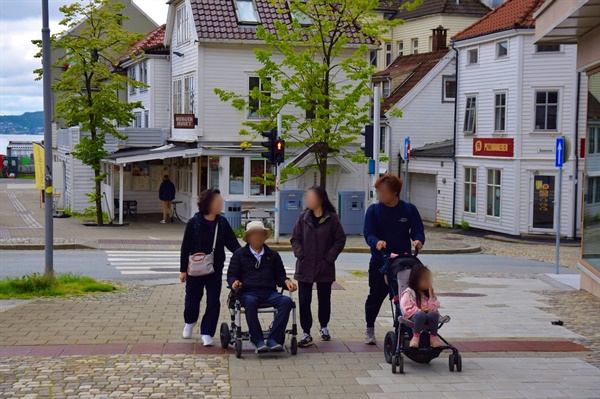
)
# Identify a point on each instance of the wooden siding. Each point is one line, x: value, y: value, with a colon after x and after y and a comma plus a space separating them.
x: 443, y: 169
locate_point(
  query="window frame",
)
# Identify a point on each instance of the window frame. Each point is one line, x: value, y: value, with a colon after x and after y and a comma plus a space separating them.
x: 265, y: 187
x: 144, y: 74
x: 241, y: 21
x: 146, y: 119
x: 470, y: 184
x: 414, y: 45
x: 177, y: 95
x: 473, y: 50
x: 593, y: 140
x: 243, y: 174
x: 249, y: 113
x: 445, y: 98
x: 389, y: 54
x: 182, y: 25
x: 400, y: 47
x: 546, y: 105
x: 137, y: 119
x: 474, y: 97
x: 498, y: 46
x: 132, y: 73
x: 503, y: 107
x: 374, y: 58
x: 494, y: 185
x: 188, y: 99
x: 538, y: 51
x: 386, y: 88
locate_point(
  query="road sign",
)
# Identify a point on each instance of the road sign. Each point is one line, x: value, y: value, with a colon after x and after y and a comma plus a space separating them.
x: 407, y: 148
x: 560, y: 152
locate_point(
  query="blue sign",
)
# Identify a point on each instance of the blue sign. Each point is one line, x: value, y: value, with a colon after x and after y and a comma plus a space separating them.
x: 560, y: 152
x: 406, y: 148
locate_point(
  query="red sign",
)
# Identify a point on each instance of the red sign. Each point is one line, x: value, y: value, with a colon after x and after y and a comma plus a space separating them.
x: 494, y: 147
x: 185, y: 121
x: 582, y: 149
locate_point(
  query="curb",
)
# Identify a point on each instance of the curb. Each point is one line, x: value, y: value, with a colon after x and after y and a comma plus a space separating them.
x: 493, y: 237
x: 39, y: 247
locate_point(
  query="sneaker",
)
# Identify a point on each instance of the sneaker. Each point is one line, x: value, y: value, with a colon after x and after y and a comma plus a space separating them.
x: 274, y: 346
x: 414, y: 342
x: 260, y: 347
x: 324, y: 333
x: 188, y: 331
x: 370, y: 336
x: 305, y: 340
x: 435, y: 342
x: 207, y: 340
x: 163, y: 221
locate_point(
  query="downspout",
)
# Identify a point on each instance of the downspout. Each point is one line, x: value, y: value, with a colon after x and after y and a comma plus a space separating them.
x: 455, y: 134
x: 576, y: 154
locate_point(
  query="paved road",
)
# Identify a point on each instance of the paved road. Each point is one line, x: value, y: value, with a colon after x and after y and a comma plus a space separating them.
x: 138, y: 265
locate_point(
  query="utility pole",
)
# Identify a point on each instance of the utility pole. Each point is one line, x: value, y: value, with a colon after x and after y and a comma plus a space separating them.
x: 376, y: 135
x: 277, y: 183
x: 48, y: 192
x: 560, y: 152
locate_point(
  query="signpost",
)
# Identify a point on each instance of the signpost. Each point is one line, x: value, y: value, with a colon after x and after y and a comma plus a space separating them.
x: 376, y: 135
x: 407, y: 159
x: 559, y: 162
x: 277, y: 182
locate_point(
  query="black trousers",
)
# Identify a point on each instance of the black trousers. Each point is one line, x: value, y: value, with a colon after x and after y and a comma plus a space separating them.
x: 194, y: 291
x: 378, y: 291
x: 305, y: 299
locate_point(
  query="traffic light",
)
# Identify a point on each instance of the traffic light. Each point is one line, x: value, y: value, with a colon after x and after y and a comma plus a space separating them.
x: 271, y: 136
x: 279, y: 152
x: 367, y: 147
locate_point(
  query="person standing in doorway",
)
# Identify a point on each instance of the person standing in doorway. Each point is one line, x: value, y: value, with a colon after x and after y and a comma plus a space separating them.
x: 166, y: 193
x: 390, y: 226
x: 317, y: 240
x: 199, y: 237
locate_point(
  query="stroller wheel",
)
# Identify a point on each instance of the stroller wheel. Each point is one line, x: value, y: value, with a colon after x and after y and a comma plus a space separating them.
x: 225, y: 336
x: 293, y: 346
x: 452, y: 362
x: 389, y: 346
x: 238, y: 348
x: 458, y: 363
x: 397, y: 364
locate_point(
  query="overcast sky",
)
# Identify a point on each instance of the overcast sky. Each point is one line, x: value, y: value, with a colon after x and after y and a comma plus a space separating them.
x: 20, y: 22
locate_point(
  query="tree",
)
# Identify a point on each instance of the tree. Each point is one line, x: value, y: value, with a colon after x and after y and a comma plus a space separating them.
x: 88, y: 87
x: 317, y: 64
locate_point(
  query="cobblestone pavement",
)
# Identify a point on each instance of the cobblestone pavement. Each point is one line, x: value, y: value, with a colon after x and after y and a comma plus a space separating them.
x: 123, y: 376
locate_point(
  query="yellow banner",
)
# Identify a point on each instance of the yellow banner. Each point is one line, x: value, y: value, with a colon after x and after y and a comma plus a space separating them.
x: 38, y: 161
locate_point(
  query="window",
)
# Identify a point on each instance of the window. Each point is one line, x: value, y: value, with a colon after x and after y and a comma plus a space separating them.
x: 472, y: 56
x: 183, y: 27
x: 502, y: 49
x: 236, y: 176
x: 415, y: 46
x: 146, y: 119
x: 133, y: 76
x: 592, y: 192
x: 547, y: 48
x: 471, y: 190
x: 302, y: 18
x: 593, y: 140
x: 500, y: 112
x: 246, y: 12
x: 144, y: 74
x: 494, y: 191
x: 254, y: 104
x: 188, y: 94
x: 137, y: 122
x: 184, y: 180
x: 258, y: 169
x: 400, y: 48
x: 388, y: 54
x: 470, y: 115
x: 382, y: 140
x: 449, y: 89
x: 373, y: 58
x: 385, y: 88
x: 546, y: 110
x: 177, y: 96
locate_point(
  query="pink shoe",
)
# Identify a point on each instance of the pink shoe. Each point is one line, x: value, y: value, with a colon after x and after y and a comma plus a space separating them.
x: 435, y: 342
x: 414, y: 342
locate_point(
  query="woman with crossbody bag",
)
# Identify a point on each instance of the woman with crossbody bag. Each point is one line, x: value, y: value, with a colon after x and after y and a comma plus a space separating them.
x: 201, y: 264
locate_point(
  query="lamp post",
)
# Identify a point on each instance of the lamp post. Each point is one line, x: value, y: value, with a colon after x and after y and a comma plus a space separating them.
x: 48, y: 190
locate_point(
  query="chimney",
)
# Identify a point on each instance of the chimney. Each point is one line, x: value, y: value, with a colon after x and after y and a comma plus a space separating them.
x: 439, y: 39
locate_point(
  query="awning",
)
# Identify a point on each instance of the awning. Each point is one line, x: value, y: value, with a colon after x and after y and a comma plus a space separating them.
x: 130, y: 155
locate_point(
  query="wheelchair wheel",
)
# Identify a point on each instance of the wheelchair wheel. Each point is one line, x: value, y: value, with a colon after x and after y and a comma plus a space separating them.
x: 238, y: 348
x: 294, y: 346
x: 225, y: 336
x: 451, y: 362
x: 389, y: 346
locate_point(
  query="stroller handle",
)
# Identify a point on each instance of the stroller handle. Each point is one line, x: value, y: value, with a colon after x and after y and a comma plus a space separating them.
x: 388, y: 254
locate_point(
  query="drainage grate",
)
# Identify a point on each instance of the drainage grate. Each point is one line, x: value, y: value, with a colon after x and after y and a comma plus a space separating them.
x: 460, y: 294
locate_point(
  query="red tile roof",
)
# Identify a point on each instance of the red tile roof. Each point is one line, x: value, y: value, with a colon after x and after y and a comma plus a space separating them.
x: 153, y: 43
x: 405, y: 73
x: 431, y: 7
x: 216, y: 19
x: 513, y: 14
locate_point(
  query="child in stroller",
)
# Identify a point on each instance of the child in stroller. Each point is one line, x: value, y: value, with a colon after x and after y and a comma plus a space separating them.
x: 406, y: 277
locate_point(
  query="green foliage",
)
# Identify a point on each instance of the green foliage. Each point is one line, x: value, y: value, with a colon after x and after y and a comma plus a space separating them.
x: 321, y: 69
x: 36, y: 285
x: 464, y: 225
x: 87, y: 88
x: 359, y: 273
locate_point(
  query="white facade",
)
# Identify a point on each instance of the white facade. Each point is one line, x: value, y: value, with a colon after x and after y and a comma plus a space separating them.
x: 508, y: 81
x: 155, y: 71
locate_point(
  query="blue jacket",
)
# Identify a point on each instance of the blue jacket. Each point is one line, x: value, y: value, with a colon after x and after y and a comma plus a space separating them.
x: 166, y: 191
x: 394, y: 225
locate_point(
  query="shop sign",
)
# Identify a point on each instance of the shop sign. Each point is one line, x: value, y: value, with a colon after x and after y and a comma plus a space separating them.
x: 185, y: 121
x: 493, y: 147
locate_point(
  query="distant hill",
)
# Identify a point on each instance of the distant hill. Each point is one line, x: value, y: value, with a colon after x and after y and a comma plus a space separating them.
x: 28, y: 123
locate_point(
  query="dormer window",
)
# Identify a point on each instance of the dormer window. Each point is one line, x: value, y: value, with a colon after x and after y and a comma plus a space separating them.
x: 246, y: 12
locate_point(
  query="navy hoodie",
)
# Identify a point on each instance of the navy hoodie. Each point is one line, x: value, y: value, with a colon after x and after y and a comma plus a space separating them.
x: 395, y: 225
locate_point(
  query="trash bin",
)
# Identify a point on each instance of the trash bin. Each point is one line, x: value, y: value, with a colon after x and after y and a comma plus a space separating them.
x: 291, y: 207
x: 233, y: 213
x: 351, y: 208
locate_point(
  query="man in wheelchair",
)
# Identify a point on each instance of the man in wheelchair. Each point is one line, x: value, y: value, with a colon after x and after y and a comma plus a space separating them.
x: 258, y: 270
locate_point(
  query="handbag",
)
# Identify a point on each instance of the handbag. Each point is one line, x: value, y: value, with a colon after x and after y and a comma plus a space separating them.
x: 201, y: 264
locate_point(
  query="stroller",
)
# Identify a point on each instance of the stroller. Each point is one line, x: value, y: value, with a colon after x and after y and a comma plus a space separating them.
x: 232, y: 334
x: 397, y: 271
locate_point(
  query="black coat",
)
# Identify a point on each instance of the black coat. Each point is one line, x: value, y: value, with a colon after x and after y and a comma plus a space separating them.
x: 203, y: 241
x: 317, y: 248
x: 269, y: 275
x: 166, y: 191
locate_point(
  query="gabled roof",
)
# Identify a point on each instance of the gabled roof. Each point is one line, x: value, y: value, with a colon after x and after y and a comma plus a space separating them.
x: 443, y: 149
x: 153, y: 43
x: 405, y: 73
x: 473, y: 8
x: 217, y: 20
x: 513, y: 14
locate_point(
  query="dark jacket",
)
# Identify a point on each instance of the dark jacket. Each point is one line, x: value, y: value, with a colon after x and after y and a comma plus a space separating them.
x: 317, y: 248
x: 202, y: 241
x: 397, y: 226
x: 269, y: 275
x: 166, y: 191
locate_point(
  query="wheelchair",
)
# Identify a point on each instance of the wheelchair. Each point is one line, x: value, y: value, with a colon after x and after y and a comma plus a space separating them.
x: 232, y: 334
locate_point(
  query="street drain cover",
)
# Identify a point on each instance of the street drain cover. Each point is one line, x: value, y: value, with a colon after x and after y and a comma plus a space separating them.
x: 460, y: 294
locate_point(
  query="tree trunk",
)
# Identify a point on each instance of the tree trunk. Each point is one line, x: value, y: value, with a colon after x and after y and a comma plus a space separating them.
x: 98, y: 196
x: 323, y: 169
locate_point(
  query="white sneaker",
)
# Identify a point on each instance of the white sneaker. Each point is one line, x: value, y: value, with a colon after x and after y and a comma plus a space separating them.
x: 188, y: 330
x: 207, y: 340
x: 163, y: 222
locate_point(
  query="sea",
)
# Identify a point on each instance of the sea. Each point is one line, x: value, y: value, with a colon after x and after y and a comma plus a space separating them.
x: 5, y: 138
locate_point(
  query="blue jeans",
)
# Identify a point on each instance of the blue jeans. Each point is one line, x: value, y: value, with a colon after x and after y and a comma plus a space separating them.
x: 252, y: 300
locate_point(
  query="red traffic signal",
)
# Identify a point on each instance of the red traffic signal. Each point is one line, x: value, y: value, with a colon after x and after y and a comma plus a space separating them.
x: 279, y: 152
